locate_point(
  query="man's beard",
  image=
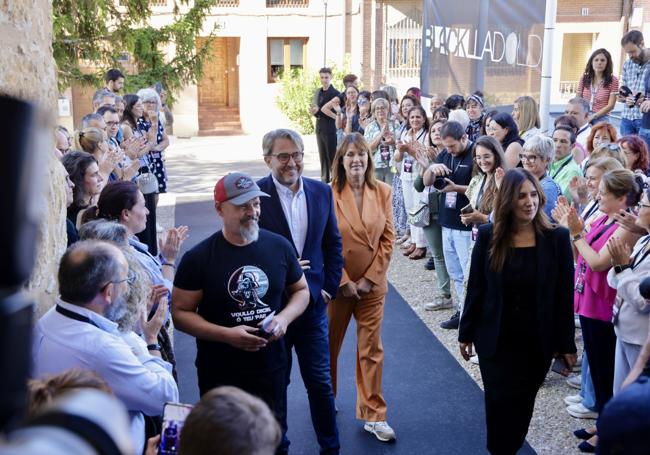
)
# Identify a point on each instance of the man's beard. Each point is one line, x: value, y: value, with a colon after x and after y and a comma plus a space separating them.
x: 116, y: 310
x: 249, y: 234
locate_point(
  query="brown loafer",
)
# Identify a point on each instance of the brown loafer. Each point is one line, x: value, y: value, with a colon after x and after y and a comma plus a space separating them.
x: 418, y: 253
x: 409, y: 250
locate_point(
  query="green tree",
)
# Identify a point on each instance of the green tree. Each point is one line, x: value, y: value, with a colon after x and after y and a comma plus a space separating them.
x: 297, y: 91
x: 91, y: 36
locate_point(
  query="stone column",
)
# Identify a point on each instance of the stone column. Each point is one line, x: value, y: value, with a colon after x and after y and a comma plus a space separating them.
x: 27, y: 71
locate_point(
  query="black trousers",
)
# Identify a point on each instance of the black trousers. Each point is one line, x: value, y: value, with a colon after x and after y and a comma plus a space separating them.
x: 326, y: 140
x: 600, y: 344
x: 511, y: 379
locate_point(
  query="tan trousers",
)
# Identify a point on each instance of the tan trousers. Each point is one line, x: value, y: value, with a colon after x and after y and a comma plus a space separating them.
x: 368, y: 314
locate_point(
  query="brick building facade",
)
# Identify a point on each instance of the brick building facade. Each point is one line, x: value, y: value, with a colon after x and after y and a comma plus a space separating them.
x: 382, y: 39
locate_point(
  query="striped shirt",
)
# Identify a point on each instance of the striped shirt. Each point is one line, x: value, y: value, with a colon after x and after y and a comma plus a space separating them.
x: 633, y: 76
x: 600, y: 99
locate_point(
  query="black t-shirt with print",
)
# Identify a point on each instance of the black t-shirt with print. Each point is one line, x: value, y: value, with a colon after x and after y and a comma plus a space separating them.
x: 241, y: 285
x: 449, y: 209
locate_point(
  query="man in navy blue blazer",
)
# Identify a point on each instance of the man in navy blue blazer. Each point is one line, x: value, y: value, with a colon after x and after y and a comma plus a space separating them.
x: 302, y: 210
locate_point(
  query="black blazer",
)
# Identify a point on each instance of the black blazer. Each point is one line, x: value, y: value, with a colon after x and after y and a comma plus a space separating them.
x: 481, y: 318
x: 323, y: 245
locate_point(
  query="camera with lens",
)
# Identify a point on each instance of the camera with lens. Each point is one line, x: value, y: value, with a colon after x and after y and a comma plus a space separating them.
x: 441, y: 182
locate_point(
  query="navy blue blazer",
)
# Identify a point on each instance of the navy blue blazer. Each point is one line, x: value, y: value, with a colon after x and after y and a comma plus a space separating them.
x: 481, y: 319
x: 323, y: 245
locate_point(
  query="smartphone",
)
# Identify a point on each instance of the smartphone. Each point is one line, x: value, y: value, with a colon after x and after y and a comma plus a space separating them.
x: 560, y: 367
x: 467, y: 209
x: 174, y: 415
x: 265, y: 330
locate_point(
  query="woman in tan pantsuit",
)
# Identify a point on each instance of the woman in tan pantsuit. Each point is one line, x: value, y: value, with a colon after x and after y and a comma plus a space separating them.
x: 364, y: 213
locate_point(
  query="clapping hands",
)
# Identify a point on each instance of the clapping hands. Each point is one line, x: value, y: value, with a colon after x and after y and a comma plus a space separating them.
x: 171, y: 241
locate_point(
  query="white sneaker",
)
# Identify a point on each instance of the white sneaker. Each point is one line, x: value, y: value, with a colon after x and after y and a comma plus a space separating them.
x: 381, y: 430
x: 440, y: 303
x: 575, y: 381
x: 573, y: 399
x: 580, y: 412
x: 474, y: 359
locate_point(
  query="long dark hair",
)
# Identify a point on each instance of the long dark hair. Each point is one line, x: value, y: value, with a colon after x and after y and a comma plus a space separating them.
x: 589, y: 74
x: 504, y: 220
x: 127, y: 116
x: 76, y: 163
x: 114, y: 198
x: 486, y: 204
x: 487, y: 117
x: 505, y: 120
x: 338, y: 171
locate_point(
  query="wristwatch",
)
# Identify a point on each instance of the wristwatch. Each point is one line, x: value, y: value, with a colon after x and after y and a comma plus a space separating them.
x: 620, y: 268
x: 577, y: 237
x: 153, y: 347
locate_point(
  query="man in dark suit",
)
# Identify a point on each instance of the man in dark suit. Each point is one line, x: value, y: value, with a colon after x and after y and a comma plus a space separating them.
x: 302, y: 210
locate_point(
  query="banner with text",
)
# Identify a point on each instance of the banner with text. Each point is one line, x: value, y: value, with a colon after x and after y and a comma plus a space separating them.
x: 495, y: 46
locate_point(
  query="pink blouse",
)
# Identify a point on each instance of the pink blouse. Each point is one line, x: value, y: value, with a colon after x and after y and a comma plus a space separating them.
x: 597, y: 298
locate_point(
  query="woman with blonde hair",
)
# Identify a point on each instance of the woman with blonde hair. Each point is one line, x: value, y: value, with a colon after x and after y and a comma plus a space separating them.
x: 93, y: 140
x: 365, y: 220
x: 526, y: 113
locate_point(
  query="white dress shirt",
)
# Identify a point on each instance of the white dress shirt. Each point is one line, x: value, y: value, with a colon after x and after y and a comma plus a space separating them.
x: 294, y: 206
x: 142, y: 382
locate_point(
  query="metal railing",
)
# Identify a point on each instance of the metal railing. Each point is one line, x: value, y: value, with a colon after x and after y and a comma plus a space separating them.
x: 568, y: 89
x: 287, y: 3
x: 227, y: 3
x: 403, y: 54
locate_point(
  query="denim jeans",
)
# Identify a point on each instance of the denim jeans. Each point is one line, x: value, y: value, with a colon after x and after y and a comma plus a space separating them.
x: 644, y: 133
x: 586, y: 385
x: 630, y: 126
x: 433, y: 234
x: 456, y: 245
x: 309, y: 336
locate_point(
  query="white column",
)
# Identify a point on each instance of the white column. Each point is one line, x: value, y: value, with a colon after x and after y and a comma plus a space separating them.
x: 547, y: 64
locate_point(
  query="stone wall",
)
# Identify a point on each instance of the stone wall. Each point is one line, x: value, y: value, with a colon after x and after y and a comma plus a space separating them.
x: 27, y: 71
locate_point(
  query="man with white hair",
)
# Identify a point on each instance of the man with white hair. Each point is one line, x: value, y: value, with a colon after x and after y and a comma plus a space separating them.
x: 230, y: 292
x: 81, y: 331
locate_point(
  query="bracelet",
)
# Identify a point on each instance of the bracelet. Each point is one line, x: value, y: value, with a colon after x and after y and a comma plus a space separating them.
x: 577, y: 237
x: 153, y: 347
x: 170, y: 264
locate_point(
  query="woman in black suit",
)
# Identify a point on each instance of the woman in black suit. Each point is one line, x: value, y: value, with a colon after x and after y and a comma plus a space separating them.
x: 519, y: 307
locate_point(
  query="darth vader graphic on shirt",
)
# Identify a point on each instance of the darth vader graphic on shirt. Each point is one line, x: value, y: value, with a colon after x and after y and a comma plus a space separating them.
x: 247, y: 286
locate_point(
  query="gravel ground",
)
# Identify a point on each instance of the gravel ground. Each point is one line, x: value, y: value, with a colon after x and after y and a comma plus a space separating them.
x: 551, y: 428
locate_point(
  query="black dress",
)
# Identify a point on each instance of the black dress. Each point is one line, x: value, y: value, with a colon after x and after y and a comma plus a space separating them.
x: 513, y: 375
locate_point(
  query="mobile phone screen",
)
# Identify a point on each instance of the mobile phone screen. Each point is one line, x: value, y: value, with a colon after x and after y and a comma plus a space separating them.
x: 174, y: 415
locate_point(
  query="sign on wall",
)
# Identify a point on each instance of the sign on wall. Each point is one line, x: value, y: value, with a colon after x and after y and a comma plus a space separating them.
x: 495, y: 46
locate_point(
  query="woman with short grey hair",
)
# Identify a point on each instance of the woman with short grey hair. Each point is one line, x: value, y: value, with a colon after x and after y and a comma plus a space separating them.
x: 538, y: 154
x: 380, y: 135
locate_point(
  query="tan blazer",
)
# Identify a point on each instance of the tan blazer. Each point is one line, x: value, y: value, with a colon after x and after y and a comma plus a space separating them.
x: 367, y: 239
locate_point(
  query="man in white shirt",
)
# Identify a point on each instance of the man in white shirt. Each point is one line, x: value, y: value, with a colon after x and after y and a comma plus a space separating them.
x: 80, y: 332
x: 302, y: 211
x: 578, y: 108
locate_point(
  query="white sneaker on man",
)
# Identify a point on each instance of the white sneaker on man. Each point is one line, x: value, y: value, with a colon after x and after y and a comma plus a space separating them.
x: 381, y: 430
x: 573, y: 399
x: 579, y: 411
x: 575, y: 381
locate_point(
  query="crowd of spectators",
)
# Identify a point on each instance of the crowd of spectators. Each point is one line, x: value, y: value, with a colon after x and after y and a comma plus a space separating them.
x: 535, y: 237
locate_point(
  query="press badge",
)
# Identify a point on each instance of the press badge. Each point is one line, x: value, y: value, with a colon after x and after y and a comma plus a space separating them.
x: 450, y: 200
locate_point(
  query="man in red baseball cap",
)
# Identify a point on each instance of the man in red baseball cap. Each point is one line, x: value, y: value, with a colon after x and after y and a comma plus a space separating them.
x: 229, y: 293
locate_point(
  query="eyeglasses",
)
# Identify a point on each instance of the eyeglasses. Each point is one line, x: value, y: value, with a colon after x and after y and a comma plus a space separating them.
x: 641, y: 205
x: 130, y: 279
x: 112, y: 123
x: 529, y: 158
x: 284, y: 157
